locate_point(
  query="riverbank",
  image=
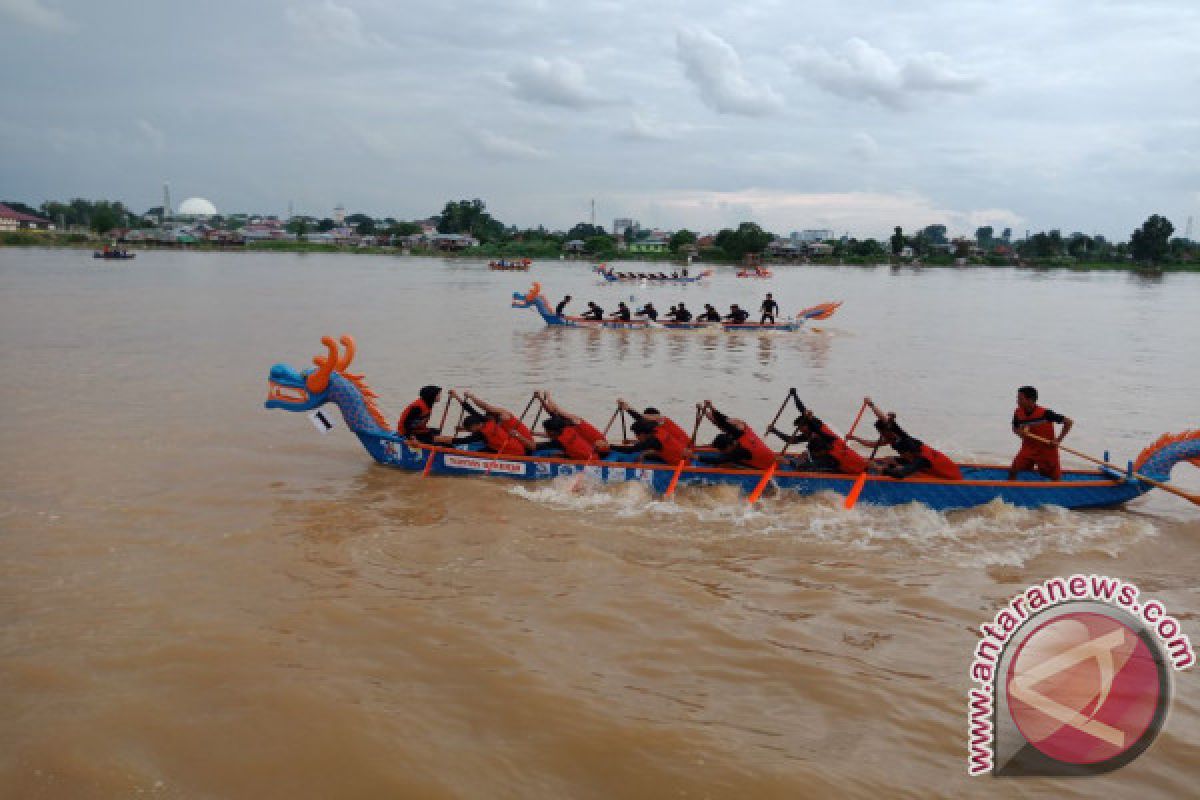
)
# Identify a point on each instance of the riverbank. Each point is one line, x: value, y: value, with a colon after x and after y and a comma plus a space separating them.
x: 81, y: 241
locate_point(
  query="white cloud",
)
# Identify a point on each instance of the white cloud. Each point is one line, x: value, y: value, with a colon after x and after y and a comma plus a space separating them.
x: 35, y: 13
x: 647, y: 129
x: 863, y: 71
x: 716, y: 69
x: 556, y: 82
x: 497, y: 146
x: 326, y: 23
x: 864, y: 146
x: 154, y: 137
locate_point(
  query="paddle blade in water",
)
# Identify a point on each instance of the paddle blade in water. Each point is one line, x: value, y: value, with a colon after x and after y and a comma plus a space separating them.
x: 762, y: 484
x: 855, y: 491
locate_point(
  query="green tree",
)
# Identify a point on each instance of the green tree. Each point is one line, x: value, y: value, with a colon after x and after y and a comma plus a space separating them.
x: 897, y: 241
x: 584, y: 230
x: 1079, y: 245
x: 404, y: 229
x: 298, y: 226
x: 470, y: 216
x: 630, y: 234
x: 748, y: 238
x: 601, y: 245
x: 680, y: 238
x: 366, y: 227
x: 104, y: 219
x: 326, y: 224
x: 1151, y: 242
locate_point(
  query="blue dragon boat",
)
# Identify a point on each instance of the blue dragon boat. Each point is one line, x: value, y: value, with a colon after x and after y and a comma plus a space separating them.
x: 534, y: 299
x: 628, y: 277
x: 330, y: 382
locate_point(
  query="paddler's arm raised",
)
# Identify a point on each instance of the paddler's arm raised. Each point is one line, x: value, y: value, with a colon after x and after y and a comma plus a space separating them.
x: 501, y: 414
x: 734, y: 427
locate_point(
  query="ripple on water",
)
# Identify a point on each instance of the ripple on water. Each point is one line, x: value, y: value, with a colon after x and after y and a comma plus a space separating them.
x: 993, y: 535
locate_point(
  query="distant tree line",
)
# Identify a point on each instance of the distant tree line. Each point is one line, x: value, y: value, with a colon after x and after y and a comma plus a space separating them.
x: 1152, y: 243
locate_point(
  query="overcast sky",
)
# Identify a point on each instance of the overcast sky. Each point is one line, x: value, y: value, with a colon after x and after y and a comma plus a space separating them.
x: 855, y: 116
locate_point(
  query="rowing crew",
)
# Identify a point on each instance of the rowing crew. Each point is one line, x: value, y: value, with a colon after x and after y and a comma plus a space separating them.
x: 643, y: 276
x: 678, y: 313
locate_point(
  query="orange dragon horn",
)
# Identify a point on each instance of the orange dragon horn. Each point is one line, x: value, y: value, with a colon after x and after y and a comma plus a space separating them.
x: 319, y: 380
x: 348, y: 356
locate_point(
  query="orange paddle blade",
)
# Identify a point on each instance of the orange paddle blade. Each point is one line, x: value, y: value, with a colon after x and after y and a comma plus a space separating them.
x: 762, y: 484
x: 855, y: 491
x: 674, y: 479
x: 428, y: 465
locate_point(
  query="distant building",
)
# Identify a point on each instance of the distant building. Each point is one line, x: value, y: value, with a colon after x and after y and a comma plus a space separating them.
x: 339, y: 217
x: 812, y: 235
x: 11, y: 220
x: 820, y: 249
x: 453, y: 241
x: 621, y: 223
x: 196, y: 208
x: 651, y: 244
x: 573, y: 246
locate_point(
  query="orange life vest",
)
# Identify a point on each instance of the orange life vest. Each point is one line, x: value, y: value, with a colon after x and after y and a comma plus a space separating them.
x: 1035, y: 423
x: 848, y: 461
x: 501, y: 439
x: 942, y: 466
x: 588, y: 431
x: 761, y: 456
x: 575, y: 443
x: 672, y: 449
x: 415, y: 418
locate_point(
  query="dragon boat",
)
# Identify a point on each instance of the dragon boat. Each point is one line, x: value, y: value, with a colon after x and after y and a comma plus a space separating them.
x: 628, y: 277
x: 330, y: 382
x: 534, y: 299
x: 521, y: 265
x: 114, y: 255
x: 754, y: 273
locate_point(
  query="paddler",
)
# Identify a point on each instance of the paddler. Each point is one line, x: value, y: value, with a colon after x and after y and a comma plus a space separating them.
x: 570, y: 433
x: 622, y: 313
x: 710, y: 314
x: 593, y: 311
x: 651, y: 442
x: 414, y: 419
x: 737, y: 444
x: 737, y: 315
x: 1034, y: 455
x: 562, y: 307
x: 497, y: 429
x: 826, y: 451
x: 663, y: 425
x: 648, y: 311
x: 912, y: 455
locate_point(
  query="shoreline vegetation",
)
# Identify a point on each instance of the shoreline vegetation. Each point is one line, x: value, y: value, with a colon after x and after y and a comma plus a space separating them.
x: 81, y: 241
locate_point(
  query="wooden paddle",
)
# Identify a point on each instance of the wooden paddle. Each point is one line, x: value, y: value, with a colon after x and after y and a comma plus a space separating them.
x: 769, y: 472
x: 691, y: 446
x: 861, y: 480
x: 1166, y: 487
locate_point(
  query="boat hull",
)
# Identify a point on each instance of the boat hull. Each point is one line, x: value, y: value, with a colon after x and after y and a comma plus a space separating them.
x: 982, y: 484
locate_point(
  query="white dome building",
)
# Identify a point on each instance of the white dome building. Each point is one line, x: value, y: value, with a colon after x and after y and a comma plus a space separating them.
x: 196, y: 208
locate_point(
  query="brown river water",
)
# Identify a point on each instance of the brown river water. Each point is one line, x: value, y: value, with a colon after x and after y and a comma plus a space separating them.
x: 203, y: 598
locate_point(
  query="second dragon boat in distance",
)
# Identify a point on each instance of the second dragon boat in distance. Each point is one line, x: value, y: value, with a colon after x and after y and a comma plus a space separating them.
x: 534, y: 299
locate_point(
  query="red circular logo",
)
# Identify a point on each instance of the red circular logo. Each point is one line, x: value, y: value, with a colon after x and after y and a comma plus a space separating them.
x: 1083, y: 688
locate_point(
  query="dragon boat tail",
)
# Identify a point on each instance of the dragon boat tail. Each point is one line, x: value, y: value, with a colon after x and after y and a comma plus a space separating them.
x: 330, y: 382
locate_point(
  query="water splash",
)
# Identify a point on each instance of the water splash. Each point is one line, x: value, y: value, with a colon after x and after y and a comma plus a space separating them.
x: 996, y: 534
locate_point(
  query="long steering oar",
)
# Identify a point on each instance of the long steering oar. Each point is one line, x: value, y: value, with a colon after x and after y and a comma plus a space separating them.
x: 683, y: 461
x: 1166, y: 487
